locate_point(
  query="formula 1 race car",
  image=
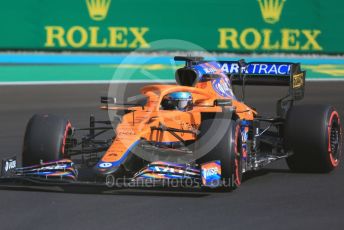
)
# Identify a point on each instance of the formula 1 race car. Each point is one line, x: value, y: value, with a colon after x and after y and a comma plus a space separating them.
x: 196, y: 131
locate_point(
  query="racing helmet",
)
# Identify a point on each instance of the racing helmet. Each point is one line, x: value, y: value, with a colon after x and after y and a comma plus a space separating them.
x: 177, y: 101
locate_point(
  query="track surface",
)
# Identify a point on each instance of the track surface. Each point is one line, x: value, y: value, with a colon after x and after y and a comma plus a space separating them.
x: 273, y: 199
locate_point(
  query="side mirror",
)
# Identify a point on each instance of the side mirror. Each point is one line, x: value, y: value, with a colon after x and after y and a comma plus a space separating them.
x: 223, y: 102
x: 107, y: 100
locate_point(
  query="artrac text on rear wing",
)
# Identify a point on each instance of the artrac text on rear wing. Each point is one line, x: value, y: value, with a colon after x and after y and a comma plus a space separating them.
x: 267, y: 73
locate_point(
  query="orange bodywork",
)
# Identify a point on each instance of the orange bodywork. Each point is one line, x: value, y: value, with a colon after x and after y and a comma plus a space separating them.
x: 137, y: 124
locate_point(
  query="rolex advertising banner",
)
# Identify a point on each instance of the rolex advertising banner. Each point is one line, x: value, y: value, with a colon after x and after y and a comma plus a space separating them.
x: 245, y: 26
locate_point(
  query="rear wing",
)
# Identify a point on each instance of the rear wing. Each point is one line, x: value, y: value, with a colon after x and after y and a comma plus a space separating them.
x: 268, y: 74
x: 242, y: 73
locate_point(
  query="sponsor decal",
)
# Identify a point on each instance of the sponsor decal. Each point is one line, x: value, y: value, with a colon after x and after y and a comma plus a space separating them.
x: 56, y: 167
x: 207, y: 68
x: 98, y: 9
x: 91, y: 36
x: 167, y: 170
x: 288, y: 39
x: 188, y: 126
x: 271, y: 10
x: 298, y: 81
x: 10, y: 164
x: 126, y: 132
x: 211, y: 173
x: 105, y: 165
x: 257, y: 68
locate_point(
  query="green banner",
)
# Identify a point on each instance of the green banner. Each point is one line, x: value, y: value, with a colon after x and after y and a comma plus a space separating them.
x: 245, y: 26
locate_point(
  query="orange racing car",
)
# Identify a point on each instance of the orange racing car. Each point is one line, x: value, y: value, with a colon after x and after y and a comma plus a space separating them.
x: 196, y: 131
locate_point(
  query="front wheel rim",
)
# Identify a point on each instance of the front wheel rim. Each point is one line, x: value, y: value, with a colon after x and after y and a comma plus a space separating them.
x: 334, y: 138
x: 237, y: 161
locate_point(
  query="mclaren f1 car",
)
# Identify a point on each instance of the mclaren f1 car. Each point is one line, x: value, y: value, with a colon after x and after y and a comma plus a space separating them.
x: 196, y: 131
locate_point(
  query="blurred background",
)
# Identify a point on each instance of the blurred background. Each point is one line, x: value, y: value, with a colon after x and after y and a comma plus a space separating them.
x: 86, y: 41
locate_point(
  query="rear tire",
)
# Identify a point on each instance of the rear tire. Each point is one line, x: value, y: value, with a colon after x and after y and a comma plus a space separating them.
x: 228, y: 150
x: 45, y: 139
x: 313, y: 134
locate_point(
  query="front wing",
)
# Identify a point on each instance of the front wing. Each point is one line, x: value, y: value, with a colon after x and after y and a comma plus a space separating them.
x: 65, y: 174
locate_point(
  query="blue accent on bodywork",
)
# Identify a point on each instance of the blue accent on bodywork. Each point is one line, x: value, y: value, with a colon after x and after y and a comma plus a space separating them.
x: 207, y: 68
x: 222, y: 87
x: 117, y: 163
x: 168, y: 170
x: 221, y: 84
x: 246, y: 122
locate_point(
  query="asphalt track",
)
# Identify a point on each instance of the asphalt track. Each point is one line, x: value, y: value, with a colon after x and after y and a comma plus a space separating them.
x: 272, y: 199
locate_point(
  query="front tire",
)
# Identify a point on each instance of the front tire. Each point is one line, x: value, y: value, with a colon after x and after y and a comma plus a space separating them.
x: 313, y: 134
x: 45, y: 139
x: 228, y: 150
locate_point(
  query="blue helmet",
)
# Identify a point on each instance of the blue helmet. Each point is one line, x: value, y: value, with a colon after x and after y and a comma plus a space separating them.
x: 178, y: 100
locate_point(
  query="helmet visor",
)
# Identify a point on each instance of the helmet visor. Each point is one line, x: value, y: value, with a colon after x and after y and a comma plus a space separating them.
x: 182, y: 104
